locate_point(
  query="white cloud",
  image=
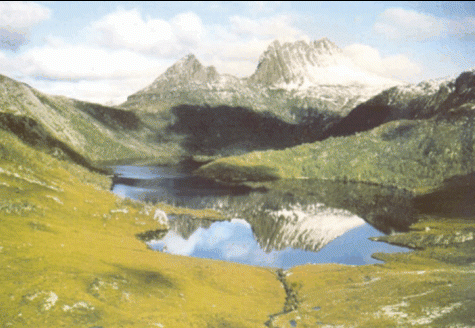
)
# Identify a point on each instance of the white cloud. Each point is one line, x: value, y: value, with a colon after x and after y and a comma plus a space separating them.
x: 235, y: 48
x: 134, y: 50
x: 399, y: 23
x: 65, y: 61
x: 369, y: 58
x: 245, y: 49
x: 233, y: 56
x: 236, y: 67
x: 276, y: 27
x: 105, y: 91
x: 83, y: 71
x: 126, y: 29
x: 21, y: 15
x: 188, y: 28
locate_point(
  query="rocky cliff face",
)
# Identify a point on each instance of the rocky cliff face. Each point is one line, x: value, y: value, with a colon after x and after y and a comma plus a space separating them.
x: 289, y: 63
x: 312, y: 77
x: 186, y: 70
x: 302, y: 65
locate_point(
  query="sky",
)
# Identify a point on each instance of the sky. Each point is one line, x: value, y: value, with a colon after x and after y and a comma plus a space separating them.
x: 105, y: 51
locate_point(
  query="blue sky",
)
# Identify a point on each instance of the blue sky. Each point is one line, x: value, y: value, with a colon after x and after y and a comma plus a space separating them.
x: 105, y: 51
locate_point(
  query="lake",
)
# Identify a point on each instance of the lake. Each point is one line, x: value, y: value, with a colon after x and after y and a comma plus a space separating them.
x: 287, y: 224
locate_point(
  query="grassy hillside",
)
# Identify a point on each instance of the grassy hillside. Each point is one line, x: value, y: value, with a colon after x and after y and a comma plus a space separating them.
x: 94, y: 132
x: 70, y: 258
x: 415, y: 155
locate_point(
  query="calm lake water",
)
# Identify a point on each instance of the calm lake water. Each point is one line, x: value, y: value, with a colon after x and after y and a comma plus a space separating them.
x: 308, y: 221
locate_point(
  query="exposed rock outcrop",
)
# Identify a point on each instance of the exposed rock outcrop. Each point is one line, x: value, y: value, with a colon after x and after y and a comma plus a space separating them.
x: 313, y: 77
x: 435, y: 98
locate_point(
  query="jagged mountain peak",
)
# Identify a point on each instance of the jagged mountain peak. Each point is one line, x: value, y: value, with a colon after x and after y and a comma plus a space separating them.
x: 300, y: 65
x: 313, y: 74
x: 189, y: 66
x: 324, y: 44
x: 288, y: 64
x: 300, y: 52
x: 186, y: 70
x: 189, y: 57
x: 321, y: 46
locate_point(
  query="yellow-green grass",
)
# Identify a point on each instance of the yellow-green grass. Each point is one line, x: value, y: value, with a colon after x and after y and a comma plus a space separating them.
x: 69, y: 258
x: 430, y: 287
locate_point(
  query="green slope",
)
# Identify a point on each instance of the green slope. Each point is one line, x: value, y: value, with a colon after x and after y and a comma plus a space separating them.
x: 414, y: 155
x: 69, y: 257
x: 96, y: 133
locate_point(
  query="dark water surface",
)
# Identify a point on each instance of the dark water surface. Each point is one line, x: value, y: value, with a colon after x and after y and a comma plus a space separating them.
x: 293, y: 223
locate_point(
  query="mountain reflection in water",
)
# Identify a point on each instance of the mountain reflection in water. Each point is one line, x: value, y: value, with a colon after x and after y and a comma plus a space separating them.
x: 292, y: 223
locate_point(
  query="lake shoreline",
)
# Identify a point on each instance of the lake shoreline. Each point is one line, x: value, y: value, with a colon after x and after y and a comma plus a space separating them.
x: 55, y: 276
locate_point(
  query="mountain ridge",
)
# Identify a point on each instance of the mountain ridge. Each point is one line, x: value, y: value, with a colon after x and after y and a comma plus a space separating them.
x: 314, y: 76
x: 302, y: 65
x: 433, y: 98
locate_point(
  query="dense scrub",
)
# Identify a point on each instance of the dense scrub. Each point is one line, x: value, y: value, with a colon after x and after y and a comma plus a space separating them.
x: 225, y: 130
x: 413, y: 155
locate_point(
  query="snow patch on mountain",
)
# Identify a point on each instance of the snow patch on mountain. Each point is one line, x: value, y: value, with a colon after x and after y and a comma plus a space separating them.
x: 428, y: 87
x: 315, y: 76
x: 301, y: 65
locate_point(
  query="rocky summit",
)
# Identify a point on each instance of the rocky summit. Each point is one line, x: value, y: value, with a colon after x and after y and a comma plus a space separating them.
x: 301, y: 65
x: 290, y: 78
x: 298, y: 91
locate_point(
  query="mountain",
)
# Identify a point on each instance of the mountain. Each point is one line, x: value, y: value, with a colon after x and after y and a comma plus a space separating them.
x: 433, y: 98
x: 291, y: 81
x: 309, y: 227
x: 187, y: 82
x: 302, y: 65
x: 83, y: 132
x: 414, y: 138
x: 186, y: 69
x: 298, y: 91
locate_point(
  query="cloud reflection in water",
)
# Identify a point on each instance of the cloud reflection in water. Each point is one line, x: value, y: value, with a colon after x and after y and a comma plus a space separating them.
x: 234, y: 241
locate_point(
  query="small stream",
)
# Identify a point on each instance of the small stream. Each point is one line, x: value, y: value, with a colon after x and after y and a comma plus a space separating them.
x: 308, y: 221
